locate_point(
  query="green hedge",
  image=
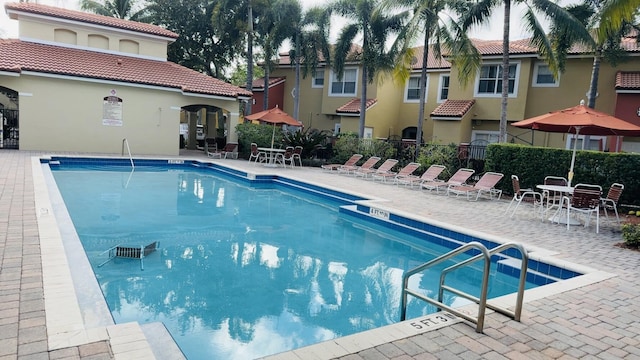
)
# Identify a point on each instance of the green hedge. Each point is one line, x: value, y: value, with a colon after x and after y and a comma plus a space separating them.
x: 532, y: 164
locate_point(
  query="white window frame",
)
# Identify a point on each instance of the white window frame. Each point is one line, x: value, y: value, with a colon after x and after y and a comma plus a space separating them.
x: 498, y: 92
x: 592, y: 138
x: 441, y: 87
x: 406, y: 89
x: 333, y: 78
x: 493, y: 136
x: 314, y: 77
x: 535, y: 83
x: 368, y: 133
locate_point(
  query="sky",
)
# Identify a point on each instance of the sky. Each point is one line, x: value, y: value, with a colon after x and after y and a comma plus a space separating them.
x: 9, y: 28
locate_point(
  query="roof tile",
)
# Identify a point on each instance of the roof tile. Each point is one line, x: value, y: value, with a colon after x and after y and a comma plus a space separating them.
x: 19, y: 56
x: 89, y: 18
x: 628, y: 80
x: 453, y: 108
x: 353, y: 106
x: 259, y: 83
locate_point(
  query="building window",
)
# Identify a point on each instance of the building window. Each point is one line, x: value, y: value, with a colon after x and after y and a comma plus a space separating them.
x: 317, y: 79
x: 597, y: 143
x: 489, y: 82
x: 443, y: 89
x: 412, y: 89
x: 488, y: 136
x: 543, y: 77
x: 346, y: 86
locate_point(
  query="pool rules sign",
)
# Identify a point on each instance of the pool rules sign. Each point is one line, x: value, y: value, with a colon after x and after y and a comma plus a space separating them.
x: 112, y: 110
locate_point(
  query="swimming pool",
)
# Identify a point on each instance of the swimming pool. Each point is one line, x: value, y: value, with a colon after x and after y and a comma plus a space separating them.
x: 318, y: 280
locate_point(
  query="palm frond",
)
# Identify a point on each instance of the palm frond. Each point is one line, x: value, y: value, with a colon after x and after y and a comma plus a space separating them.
x: 343, y: 47
x: 540, y: 40
x: 614, y: 14
x: 477, y: 13
x: 462, y: 53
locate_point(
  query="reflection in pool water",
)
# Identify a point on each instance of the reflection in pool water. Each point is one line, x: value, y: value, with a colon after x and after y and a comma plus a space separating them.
x: 244, y: 272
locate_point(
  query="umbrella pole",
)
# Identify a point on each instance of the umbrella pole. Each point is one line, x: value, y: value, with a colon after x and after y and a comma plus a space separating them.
x: 273, y: 135
x: 573, y: 155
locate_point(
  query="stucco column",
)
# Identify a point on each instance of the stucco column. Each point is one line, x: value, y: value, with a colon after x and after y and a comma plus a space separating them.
x: 232, y: 121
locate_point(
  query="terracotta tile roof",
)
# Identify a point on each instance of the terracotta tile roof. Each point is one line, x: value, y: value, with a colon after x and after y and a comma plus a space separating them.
x: 13, y: 8
x: 628, y: 80
x: 432, y: 61
x: 19, y: 56
x: 453, y: 108
x: 353, y: 106
x: 494, y: 47
x: 354, y: 55
x: 258, y: 84
x: 523, y: 46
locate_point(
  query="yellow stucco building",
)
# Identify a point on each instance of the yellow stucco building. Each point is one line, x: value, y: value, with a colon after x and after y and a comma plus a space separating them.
x: 457, y: 113
x: 75, y: 81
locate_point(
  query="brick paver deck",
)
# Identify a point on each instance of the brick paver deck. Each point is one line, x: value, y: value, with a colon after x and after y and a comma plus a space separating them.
x: 598, y: 320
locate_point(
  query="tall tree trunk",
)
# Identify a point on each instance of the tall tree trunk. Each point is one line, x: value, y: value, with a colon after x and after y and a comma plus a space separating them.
x: 593, y: 84
x: 423, y: 91
x: 363, y: 91
x: 265, y: 106
x: 296, y: 89
x: 505, y: 71
x: 247, y: 108
x: 363, y: 102
x: 592, y: 94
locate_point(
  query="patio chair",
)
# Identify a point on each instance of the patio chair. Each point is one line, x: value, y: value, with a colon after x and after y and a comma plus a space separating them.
x: 459, y: 178
x: 520, y: 195
x: 611, y: 201
x: 385, y: 168
x: 131, y: 252
x: 407, y: 170
x: 430, y: 175
x: 352, y: 161
x: 228, y: 151
x: 366, y: 165
x: 485, y: 185
x: 553, y: 198
x: 210, y: 146
x: 257, y: 155
x: 297, y: 154
x: 285, y: 157
x: 586, y: 200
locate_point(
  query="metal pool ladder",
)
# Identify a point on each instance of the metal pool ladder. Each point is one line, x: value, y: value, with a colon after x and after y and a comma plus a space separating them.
x: 482, y: 300
x: 126, y: 142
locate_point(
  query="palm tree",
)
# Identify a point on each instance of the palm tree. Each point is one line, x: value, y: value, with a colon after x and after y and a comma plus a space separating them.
x: 122, y: 9
x: 275, y: 26
x: 429, y: 21
x: 608, y: 21
x: 480, y: 11
x: 311, y: 45
x: 230, y: 10
x: 375, y: 26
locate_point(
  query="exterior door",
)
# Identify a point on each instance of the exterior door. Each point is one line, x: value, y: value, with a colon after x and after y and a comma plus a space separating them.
x: 10, y: 131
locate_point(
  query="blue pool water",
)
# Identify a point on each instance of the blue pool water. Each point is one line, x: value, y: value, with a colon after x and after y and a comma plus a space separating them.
x: 245, y: 269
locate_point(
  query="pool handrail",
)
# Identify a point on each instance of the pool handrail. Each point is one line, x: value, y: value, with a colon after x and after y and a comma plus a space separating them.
x: 126, y: 142
x: 524, y: 264
x: 482, y: 300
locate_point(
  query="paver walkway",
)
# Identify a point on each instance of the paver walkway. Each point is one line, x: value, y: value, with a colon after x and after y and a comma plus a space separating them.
x: 599, y: 320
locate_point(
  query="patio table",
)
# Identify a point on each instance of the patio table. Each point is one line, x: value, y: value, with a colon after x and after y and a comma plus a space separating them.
x: 272, y: 155
x: 556, y: 218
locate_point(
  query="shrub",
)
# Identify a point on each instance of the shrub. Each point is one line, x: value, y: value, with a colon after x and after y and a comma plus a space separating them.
x: 260, y: 134
x: 309, y: 139
x: 631, y: 235
x: 447, y: 155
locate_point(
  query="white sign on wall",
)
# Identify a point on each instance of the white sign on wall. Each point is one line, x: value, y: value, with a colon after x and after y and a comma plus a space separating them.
x: 112, y: 110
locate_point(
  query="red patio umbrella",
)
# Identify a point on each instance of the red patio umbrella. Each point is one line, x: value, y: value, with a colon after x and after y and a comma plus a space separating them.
x: 580, y: 120
x: 274, y: 116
